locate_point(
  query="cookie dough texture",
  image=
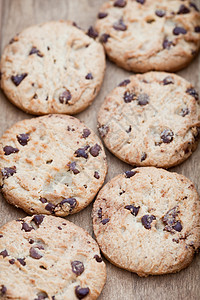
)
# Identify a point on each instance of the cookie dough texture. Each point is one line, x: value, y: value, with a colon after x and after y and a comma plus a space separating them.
x: 151, y: 119
x: 145, y: 35
x: 52, y: 164
x: 147, y: 221
x: 44, y: 257
x: 52, y: 68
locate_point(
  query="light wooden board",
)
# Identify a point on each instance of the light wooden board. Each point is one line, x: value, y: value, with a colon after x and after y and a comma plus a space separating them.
x: 121, y: 285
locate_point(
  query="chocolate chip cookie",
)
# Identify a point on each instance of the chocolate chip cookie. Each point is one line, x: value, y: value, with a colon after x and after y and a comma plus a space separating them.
x: 52, y: 165
x: 151, y: 120
x: 145, y: 35
x: 52, y: 68
x: 44, y: 257
x: 147, y: 221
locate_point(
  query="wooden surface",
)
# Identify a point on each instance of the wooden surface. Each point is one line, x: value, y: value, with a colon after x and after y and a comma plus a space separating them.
x: 122, y: 285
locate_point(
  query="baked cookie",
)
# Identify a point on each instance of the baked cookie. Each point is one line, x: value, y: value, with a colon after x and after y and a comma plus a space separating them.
x: 145, y: 35
x: 44, y: 257
x: 52, y: 68
x: 151, y: 120
x: 52, y: 165
x: 147, y: 221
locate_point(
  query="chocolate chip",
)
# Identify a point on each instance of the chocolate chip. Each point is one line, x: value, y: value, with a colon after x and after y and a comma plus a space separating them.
x: 72, y: 167
x: 129, y: 129
x: 99, y: 213
x: 178, y: 227
x: 133, y: 209
x: 75, y: 25
x: 167, y: 136
x: 50, y: 207
x: 168, y: 80
x: 12, y: 261
x: 81, y: 292
x: 104, y: 38
x: 94, y: 151
x: 147, y: 220
x: 38, y: 219
x: 98, y: 258
x: 89, y: 76
x: 120, y: 26
x: 34, y: 50
x: 43, y: 200
x: 3, y: 290
x: 23, y: 138
x: 183, y: 10
x: 34, y: 253
x: 77, y: 267
x: 81, y: 152
x: 103, y: 130
x: 7, y: 172
x: 141, y: 1
x: 160, y: 13
x: 42, y: 295
x: 167, y: 44
x: 1, y: 235
x: 129, y: 174
x: 102, y: 15
x: 21, y: 261
x: 86, y: 133
x: 31, y: 241
x: 4, y: 253
x: 179, y: 30
x: 184, y: 112
x: 125, y: 82
x: 128, y: 97
x: 9, y: 150
x: 26, y: 227
x: 143, y: 157
x: 170, y: 221
x: 194, y: 6
x: 197, y: 29
x: 69, y: 201
x: 105, y: 221
x: 65, y: 97
x: 143, y: 99
x: 96, y: 175
x: 17, y: 79
x: 92, y: 32
x: 192, y: 92
x: 119, y: 3
x: 60, y: 228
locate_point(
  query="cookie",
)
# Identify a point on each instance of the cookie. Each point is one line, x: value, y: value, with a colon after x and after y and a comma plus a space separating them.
x: 147, y: 221
x: 52, y: 165
x: 151, y: 120
x: 52, y: 68
x: 145, y: 35
x: 44, y: 257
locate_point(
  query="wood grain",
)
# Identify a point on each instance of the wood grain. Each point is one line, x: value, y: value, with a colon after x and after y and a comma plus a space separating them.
x: 14, y: 16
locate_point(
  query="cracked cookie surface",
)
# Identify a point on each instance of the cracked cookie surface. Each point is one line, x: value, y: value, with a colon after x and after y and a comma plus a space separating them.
x: 147, y: 221
x: 145, y: 35
x: 52, y: 165
x: 52, y: 68
x: 151, y: 119
x: 45, y: 257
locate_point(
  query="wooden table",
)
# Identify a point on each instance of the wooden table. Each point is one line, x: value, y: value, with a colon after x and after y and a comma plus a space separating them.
x: 16, y: 15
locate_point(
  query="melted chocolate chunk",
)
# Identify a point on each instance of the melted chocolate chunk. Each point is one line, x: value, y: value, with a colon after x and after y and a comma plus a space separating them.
x: 99, y: 213
x: 26, y: 227
x: 96, y: 175
x: 125, y: 82
x: 104, y: 38
x: 77, y: 267
x: 119, y: 3
x: 50, y: 207
x: 34, y: 253
x: 105, y: 221
x: 143, y: 99
x: 147, y: 220
x: 4, y: 253
x: 3, y: 290
x: 143, y: 157
x: 86, y: 133
x: 81, y: 152
x: 9, y: 150
x: 69, y: 201
x: 192, y: 92
x: 38, y: 219
x: 65, y: 97
x: 167, y: 44
x: 168, y: 80
x: 92, y: 32
x: 178, y: 227
x: 133, y: 209
x: 34, y: 50
x: 120, y: 26
x: 7, y: 172
x: 197, y: 29
x: 128, y: 97
x: 43, y: 200
x: 98, y: 258
x: 72, y: 167
x: 160, y: 13
x: 23, y: 139
x: 81, y: 292
x: 17, y: 79
x: 103, y: 130
x: 184, y: 112
x: 194, y: 6
x: 179, y: 30
x: 141, y: 1
x: 102, y: 15
x: 89, y: 76
x: 183, y: 10
x: 12, y: 261
x: 94, y: 151
x: 167, y: 136
x: 21, y: 261
x: 129, y: 174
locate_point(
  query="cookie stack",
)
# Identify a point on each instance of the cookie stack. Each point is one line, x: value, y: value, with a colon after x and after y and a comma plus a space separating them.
x: 146, y: 220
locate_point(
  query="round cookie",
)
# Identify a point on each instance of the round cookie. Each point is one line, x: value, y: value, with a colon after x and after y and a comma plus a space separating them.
x: 145, y: 35
x: 44, y: 257
x: 151, y: 119
x: 147, y: 221
x: 52, y: 68
x: 52, y: 164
